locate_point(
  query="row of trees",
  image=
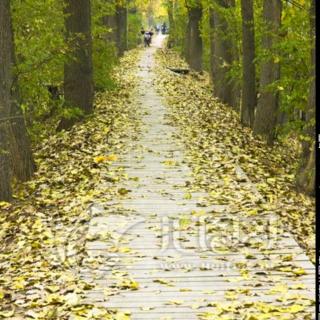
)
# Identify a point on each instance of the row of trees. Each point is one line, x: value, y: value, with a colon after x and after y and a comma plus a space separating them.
x: 261, y: 57
x: 54, y: 54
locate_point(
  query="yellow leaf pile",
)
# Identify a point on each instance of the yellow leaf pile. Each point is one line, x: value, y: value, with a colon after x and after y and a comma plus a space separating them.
x: 43, y: 233
x: 216, y: 143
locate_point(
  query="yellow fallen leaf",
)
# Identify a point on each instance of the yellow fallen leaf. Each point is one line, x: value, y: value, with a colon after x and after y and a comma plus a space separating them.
x: 4, y: 204
x: 19, y: 283
x: 103, y: 158
x: 287, y: 258
x: 170, y: 162
x: 55, y: 298
x: 299, y: 271
x: 258, y: 317
x: 230, y: 295
x: 294, y: 309
x: 100, y: 159
x: 123, y: 191
x: 163, y: 281
x: 175, y: 302
x: 187, y: 196
x: 282, y: 288
x: 7, y: 314
x: 111, y: 157
x: 120, y: 249
x: 53, y: 288
x: 128, y: 284
x: 298, y: 286
x: 121, y: 316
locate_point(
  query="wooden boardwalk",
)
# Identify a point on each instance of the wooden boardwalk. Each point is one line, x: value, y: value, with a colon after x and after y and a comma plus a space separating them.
x: 164, y: 255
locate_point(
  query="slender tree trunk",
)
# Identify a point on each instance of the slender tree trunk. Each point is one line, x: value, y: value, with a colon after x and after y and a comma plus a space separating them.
x: 306, y: 172
x: 222, y: 55
x: 249, y: 95
x: 214, y: 63
x: 170, y: 9
x: 78, y: 70
x: 195, y: 44
x: 187, y: 41
x: 122, y: 29
x: 268, y: 103
x: 5, y: 99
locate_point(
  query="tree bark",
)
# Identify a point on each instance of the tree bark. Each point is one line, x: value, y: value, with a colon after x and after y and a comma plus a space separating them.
x: 213, y: 57
x: 15, y: 150
x: 195, y: 41
x: 306, y: 173
x: 222, y: 55
x: 187, y: 41
x: 78, y: 70
x: 122, y: 29
x: 5, y: 99
x: 22, y: 163
x: 170, y: 9
x: 268, y: 103
x: 249, y: 94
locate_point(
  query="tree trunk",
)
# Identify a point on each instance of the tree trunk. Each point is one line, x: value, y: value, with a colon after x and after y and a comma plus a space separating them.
x: 22, y: 162
x: 170, y: 9
x: 187, y: 41
x: 213, y: 57
x: 110, y: 22
x: 268, y: 103
x: 306, y: 172
x: 249, y: 94
x: 5, y: 99
x: 222, y: 55
x: 78, y: 70
x: 122, y: 29
x: 195, y: 42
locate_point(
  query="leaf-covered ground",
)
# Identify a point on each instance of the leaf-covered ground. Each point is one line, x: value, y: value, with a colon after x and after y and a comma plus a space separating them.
x: 43, y: 232
x: 216, y: 142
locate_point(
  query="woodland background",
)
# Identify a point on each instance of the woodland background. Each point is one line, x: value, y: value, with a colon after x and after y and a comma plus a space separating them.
x: 56, y: 55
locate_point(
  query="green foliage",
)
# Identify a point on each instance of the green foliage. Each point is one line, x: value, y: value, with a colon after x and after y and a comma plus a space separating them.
x: 134, y: 25
x: 292, y: 50
x: 104, y: 59
x: 41, y: 52
x: 104, y: 52
x: 181, y: 19
x: 71, y: 113
x: 294, y: 54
